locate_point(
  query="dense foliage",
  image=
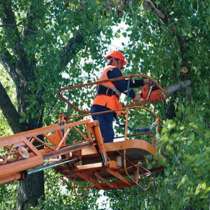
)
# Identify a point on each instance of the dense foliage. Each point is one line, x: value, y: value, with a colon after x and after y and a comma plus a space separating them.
x: 55, y: 43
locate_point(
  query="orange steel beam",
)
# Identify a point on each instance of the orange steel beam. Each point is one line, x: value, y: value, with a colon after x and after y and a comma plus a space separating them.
x: 99, y: 177
x: 10, y: 178
x: 131, y: 144
x: 14, y: 139
x: 67, y: 149
x: 89, y: 178
x: 20, y: 165
x: 33, y: 148
x: 63, y: 140
x: 89, y: 167
x: 100, y: 142
x: 12, y: 168
x: 94, y: 166
x: 115, y: 185
x: 123, y: 145
x: 82, y: 134
x: 16, y: 165
x: 118, y: 176
x: 112, y: 164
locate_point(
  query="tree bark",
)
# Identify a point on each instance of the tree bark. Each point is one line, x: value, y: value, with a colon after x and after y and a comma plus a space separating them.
x: 9, y: 111
x: 22, y: 68
x: 30, y: 191
x: 70, y: 49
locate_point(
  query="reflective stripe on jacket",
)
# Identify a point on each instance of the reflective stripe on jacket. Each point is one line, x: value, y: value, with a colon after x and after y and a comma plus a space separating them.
x: 112, y: 102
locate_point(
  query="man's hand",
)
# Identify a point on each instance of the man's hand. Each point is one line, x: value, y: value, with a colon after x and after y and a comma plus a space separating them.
x: 137, y: 98
x: 149, y: 82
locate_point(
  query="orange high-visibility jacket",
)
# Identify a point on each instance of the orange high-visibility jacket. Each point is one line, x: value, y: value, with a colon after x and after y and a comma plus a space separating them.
x: 111, y: 102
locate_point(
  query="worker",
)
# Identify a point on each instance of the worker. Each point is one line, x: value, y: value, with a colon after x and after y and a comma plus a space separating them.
x: 107, y: 101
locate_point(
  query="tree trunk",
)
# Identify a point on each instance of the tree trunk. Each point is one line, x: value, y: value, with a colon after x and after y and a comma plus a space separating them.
x: 31, y: 191
x: 22, y: 68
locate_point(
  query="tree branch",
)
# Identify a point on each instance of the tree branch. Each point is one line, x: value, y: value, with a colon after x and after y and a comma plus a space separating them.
x: 150, y: 5
x: 9, y: 111
x: 15, y: 42
x: 9, y: 64
x: 183, y: 49
x: 182, y: 41
x: 33, y: 16
x: 71, y: 48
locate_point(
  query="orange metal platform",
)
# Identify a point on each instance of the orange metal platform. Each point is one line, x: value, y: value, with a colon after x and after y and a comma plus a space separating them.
x: 87, y: 159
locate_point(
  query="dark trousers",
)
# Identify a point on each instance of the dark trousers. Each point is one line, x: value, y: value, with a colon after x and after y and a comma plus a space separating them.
x: 105, y: 122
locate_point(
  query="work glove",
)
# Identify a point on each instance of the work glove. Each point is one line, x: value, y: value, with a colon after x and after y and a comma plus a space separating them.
x: 149, y: 82
x: 137, y: 98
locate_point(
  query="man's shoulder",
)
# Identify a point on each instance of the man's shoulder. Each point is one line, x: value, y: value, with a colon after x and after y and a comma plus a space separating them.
x: 110, y: 68
x: 114, y: 73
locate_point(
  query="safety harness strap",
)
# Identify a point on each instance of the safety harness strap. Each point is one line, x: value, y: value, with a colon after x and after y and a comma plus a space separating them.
x: 103, y: 90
